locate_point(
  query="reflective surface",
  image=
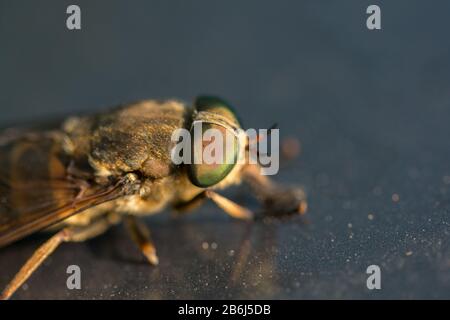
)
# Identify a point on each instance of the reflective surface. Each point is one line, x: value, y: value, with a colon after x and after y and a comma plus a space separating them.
x: 371, y: 110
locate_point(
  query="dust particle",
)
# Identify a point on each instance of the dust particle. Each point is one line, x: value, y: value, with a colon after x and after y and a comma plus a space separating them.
x: 395, y: 197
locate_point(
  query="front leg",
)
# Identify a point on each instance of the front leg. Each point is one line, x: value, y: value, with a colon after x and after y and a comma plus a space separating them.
x: 278, y: 201
x: 187, y: 206
x: 140, y: 235
x: 230, y: 207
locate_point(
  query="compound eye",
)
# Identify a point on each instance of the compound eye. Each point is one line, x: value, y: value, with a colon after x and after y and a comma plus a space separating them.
x: 215, y: 152
x: 218, y: 106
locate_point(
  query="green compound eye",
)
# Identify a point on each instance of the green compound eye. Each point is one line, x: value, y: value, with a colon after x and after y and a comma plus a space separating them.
x: 205, y: 146
x: 218, y: 157
x: 218, y: 106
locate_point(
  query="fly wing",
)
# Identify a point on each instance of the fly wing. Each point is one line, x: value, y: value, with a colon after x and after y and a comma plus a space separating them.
x: 37, y: 190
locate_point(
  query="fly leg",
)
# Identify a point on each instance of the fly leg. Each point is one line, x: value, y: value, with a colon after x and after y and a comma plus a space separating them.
x: 230, y: 207
x: 140, y: 235
x: 184, y: 207
x: 278, y: 201
x: 69, y: 234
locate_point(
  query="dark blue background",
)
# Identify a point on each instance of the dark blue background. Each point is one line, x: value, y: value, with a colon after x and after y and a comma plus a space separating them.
x: 371, y: 109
